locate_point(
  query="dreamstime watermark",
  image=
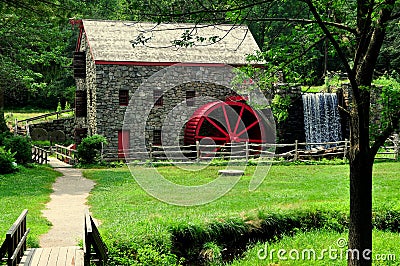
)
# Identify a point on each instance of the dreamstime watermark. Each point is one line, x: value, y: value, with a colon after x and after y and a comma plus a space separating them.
x: 144, y: 115
x: 338, y: 251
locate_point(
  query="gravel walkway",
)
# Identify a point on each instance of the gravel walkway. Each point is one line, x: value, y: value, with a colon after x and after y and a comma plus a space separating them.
x: 65, y: 210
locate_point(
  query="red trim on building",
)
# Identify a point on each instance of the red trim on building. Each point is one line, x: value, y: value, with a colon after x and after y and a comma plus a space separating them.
x: 78, y: 44
x: 140, y: 63
x: 78, y: 22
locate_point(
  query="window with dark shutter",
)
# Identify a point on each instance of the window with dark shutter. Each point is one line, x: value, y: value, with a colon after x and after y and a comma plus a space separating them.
x: 79, y: 64
x: 157, y: 137
x: 190, y: 98
x: 80, y: 103
x: 158, y: 97
x: 79, y: 134
x: 123, y: 97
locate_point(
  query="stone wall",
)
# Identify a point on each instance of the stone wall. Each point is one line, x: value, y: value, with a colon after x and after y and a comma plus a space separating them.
x: 105, y: 115
x: 88, y: 85
x: 292, y: 128
x: 110, y: 79
x: 66, y: 125
x: 345, y: 94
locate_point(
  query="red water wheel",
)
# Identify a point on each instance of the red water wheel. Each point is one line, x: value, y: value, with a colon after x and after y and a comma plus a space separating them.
x: 224, y: 122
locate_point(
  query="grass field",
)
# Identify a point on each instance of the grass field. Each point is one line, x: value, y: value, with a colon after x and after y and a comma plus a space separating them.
x: 30, y: 189
x: 21, y: 114
x: 141, y: 229
x: 131, y: 216
x: 319, y: 247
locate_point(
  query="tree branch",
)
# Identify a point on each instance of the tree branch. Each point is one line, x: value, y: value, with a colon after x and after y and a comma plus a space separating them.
x: 370, y: 57
x: 395, y: 16
x: 380, y: 140
x: 335, y: 44
x: 309, y: 21
x: 196, y: 12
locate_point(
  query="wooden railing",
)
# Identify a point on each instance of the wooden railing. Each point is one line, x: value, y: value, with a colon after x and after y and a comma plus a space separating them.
x: 298, y: 151
x: 391, y: 149
x: 93, y: 246
x: 22, y: 129
x: 237, y: 151
x: 40, y: 155
x: 15, y: 243
x: 57, y: 114
x: 66, y: 154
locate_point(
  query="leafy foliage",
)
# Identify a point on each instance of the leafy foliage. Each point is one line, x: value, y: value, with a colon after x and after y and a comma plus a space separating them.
x: 21, y: 147
x: 388, y: 100
x: 35, y: 47
x: 89, y: 149
x: 6, y: 161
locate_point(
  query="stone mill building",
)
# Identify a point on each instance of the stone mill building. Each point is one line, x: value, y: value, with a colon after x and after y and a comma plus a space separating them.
x: 113, y: 59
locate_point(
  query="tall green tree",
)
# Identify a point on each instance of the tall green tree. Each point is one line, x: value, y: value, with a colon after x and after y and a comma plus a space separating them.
x: 356, y: 31
x: 33, y: 51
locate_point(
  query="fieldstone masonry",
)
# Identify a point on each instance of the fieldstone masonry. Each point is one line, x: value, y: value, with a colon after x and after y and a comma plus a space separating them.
x: 66, y: 125
x: 207, y: 82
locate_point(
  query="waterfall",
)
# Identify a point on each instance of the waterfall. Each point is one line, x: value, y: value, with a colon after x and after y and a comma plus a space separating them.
x: 321, y: 117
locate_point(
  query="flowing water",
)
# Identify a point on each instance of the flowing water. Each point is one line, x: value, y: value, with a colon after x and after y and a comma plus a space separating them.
x: 321, y: 117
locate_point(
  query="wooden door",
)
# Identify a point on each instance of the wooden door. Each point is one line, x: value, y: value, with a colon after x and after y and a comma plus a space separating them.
x: 123, y: 143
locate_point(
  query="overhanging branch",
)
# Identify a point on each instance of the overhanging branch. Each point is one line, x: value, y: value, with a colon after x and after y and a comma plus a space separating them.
x: 335, y: 44
x: 309, y: 21
x: 200, y: 11
x: 380, y: 140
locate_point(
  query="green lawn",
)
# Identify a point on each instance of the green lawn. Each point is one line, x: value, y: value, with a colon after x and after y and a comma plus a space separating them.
x: 329, y: 247
x: 11, y: 115
x: 131, y: 216
x: 30, y: 189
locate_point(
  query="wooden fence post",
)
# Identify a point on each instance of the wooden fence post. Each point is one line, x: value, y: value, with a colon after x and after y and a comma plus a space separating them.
x: 247, y: 151
x: 102, y: 151
x: 396, y: 146
x: 345, y: 149
x: 197, y: 151
x: 28, y: 133
x: 296, y: 150
x: 151, y: 152
x: 16, y: 127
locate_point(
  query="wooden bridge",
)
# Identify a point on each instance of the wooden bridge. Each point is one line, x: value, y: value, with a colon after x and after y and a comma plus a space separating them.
x: 57, y: 256
x: 14, y: 252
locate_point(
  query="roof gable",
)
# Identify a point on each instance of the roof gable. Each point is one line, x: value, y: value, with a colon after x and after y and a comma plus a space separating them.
x: 111, y: 41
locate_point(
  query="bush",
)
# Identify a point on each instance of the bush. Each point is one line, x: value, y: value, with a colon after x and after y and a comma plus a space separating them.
x: 22, y: 148
x: 89, y: 149
x: 7, y: 161
x: 3, y: 136
x: 122, y: 253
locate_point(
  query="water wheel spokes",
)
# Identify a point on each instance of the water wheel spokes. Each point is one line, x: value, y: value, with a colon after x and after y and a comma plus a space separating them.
x: 219, y: 123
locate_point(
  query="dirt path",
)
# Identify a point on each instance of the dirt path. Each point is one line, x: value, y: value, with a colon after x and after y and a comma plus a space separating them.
x: 66, y: 207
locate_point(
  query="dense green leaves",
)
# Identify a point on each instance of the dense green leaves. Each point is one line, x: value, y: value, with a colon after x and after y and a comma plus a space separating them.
x: 90, y: 148
x: 34, y: 51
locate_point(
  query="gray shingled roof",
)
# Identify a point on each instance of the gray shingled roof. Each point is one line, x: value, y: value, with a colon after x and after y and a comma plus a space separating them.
x: 112, y: 41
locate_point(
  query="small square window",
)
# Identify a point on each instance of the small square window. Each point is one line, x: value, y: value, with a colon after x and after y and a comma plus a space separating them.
x: 190, y: 98
x: 157, y: 137
x: 158, y: 97
x: 123, y: 97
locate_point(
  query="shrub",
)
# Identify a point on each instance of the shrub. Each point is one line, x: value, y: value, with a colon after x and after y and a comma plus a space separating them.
x: 148, y: 255
x: 122, y: 254
x: 3, y: 136
x: 89, y: 149
x: 7, y: 161
x: 22, y: 148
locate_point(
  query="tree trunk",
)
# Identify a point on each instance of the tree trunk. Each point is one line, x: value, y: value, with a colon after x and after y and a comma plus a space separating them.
x: 360, y: 228
x: 361, y: 163
x: 3, y: 125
